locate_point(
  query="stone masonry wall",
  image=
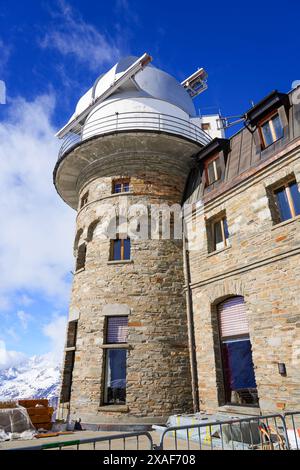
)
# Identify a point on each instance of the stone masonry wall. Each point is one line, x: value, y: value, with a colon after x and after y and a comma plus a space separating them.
x: 262, y: 263
x: 150, y: 289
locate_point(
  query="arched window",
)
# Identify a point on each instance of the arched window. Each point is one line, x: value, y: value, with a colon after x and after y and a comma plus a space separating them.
x: 238, y: 370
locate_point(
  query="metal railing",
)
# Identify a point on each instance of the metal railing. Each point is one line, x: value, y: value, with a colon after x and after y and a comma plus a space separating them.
x: 270, y: 432
x: 125, y: 441
x: 253, y: 433
x: 292, y: 421
x: 133, y: 121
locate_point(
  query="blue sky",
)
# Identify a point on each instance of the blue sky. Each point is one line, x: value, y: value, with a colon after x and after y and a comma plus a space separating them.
x: 50, y: 54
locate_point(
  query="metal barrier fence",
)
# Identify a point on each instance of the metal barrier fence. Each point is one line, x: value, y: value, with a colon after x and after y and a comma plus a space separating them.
x: 130, y: 121
x: 253, y: 433
x: 125, y: 441
x: 292, y: 421
x: 271, y: 432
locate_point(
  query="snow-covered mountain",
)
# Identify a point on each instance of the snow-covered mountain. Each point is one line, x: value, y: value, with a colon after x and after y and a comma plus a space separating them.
x: 36, y: 377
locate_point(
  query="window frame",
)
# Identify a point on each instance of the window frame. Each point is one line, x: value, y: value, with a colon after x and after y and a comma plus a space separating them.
x: 122, y: 250
x: 84, y: 199
x: 224, y: 239
x: 107, y: 348
x: 212, y: 160
x: 122, y: 182
x: 82, y: 259
x: 286, y: 187
x: 262, y: 122
x: 223, y: 339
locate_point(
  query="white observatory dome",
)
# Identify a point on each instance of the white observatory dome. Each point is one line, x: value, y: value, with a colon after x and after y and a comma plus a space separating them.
x: 133, y: 96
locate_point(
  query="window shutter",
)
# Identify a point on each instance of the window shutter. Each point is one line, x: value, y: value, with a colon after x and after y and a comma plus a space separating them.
x: 233, y: 317
x: 117, y: 330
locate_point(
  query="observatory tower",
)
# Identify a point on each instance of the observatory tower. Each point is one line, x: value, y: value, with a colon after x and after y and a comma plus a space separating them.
x: 128, y: 147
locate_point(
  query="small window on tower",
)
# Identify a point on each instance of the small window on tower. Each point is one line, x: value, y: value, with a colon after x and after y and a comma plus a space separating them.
x: 205, y: 126
x: 120, y: 249
x: 81, y: 256
x: 121, y: 186
x: 84, y: 200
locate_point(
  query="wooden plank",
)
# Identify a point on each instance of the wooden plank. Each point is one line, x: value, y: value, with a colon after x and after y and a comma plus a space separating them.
x: 31, y: 403
x: 39, y: 411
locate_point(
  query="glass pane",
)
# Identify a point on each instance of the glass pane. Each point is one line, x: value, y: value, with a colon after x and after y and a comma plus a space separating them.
x: 267, y: 134
x: 277, y: 126
x: 117, y: 250
x: 240, y: 384
x: 126, y: 187
x: 218, y: 239
x: 127, y: 248
x: 115, y: 383
x: 118, y: 188
x: 283, y: 205
x: 218, y: 168
x: 295, y: 196
x: 211, y: 173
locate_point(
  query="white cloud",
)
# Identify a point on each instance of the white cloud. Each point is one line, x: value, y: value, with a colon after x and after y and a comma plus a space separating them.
x: 37, y: 227
x: 24, y: 318
x: 9, y: 358
x: 74, y: 36
x: 55, y: 330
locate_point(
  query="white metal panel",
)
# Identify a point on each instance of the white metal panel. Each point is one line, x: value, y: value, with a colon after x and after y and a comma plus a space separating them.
x: 233, y: 317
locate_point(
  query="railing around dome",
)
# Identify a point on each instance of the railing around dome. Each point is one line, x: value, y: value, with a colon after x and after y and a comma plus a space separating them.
x: 133, y: 121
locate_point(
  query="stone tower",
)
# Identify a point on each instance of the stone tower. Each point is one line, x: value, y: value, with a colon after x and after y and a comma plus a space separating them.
x: 130, y: 142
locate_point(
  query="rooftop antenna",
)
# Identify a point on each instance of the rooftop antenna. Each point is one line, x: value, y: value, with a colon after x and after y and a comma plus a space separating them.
x: 196, y: 83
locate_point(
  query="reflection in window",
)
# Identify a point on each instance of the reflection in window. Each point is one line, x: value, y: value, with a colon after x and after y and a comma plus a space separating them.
x: 120, y: 249
x: 288, y: 201
x: 220, y: 234
x: 271, y: 130
x: 115, y: 360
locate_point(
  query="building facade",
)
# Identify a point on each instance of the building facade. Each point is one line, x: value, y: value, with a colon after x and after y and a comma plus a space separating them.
x: 245, y: 268
x: 206, y: 319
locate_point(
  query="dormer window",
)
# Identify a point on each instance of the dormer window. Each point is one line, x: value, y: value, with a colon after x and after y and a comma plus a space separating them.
x: 213, y: 170
x: 121, y: 186
x: 271, y: 130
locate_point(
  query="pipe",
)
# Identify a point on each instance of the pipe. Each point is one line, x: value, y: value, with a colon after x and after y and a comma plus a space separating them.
x: 190, y: 325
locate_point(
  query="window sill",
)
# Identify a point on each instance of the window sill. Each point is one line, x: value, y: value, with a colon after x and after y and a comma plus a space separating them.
x: 115, y: 346
x: 240, y: 409
x: 285, y: 222
x: 123, y: 193
x: 114, y: 408
x: 79, y: 270
x: 218, y: 251
x: 121, y: 261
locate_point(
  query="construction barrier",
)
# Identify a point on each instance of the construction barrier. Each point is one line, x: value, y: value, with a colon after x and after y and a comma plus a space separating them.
x: 270, y: 432
x: 124, y: 441
x: 253, y: 433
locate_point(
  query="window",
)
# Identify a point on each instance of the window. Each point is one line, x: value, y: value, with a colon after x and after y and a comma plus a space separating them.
x: 69, y: 362
x: 115, y: 360
x: 213, y: 170
x: 271, y: 130
x: 84, y: 200
x: 236, y: 351
x: 81, y: 256
x: 287, y: 200
x: 121, y: 186
x: 120, y: 249
x: 220, y: 234
x: 205, y: 126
